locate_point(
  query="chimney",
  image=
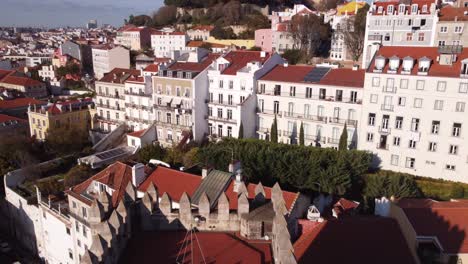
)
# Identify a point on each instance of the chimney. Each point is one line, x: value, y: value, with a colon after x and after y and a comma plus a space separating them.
x: 204, y: 173
x: 286, y: 64
x: 138, y: 174
x: 234, y: 166
x: 262, y: 54
x: 355, y: 67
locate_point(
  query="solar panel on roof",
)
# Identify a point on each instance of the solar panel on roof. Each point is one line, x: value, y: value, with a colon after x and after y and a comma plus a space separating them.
x: 213, y: 184
x: 316, y: 74
x: 111, y: 153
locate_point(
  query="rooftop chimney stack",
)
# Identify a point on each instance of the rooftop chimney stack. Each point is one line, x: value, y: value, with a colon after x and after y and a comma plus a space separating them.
x: 138, y: 174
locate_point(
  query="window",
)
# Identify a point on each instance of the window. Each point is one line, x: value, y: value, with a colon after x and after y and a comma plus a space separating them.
x: 450, y: 167
x: 438, y: 105
x: 68, y: 231
x: 460, y: 107
x: 70, y: 254
x: 230, y: 99
x: 229, y: 131
x: 399, y: 122
x: 420, y: 85
x: 210, y: 111
x: 432, y: 146
x: 441, y: 43
x: 229, y: 114
x: 276, y: 107
x: 463, y: 88
x: 404, y: 84
x: 410, y: 163
x: 417, y: 103
x: 77, y: 227
x: 453, y: 149
x: 322, y: 94
x: 420, y: 36
x: 412, y: 144
x: 394, y: 160
x: 401, y: 9
x: 435, y: 127
x: 401, y: 101
x: 74, y: 204
x: 262, y: 88
x: 396, y: 141
x: 370, y: 137
x: 375, y: 81
x: 409, y: 36
x: 441, y: 86
x: 242, y: 99
x: 220, y: 112
x: 414, y: 8
x: 390, y: 9
x: 371, y: 120
x: 231, y: 84
x: 456, y: 129
x: 220, y: 98
x: 374, y: 98
x: 277, y: 90
x: 458, y: 29
x: 443, y: 29
x: 308, y: 92
x: 415, y: 124
x: 84, y: 212
x: 78, y: 242
x: 220, y: 130
x: 221, y: 83
x: 292, y: 91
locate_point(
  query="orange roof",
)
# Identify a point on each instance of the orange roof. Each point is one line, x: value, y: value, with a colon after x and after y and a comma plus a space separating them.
x: 116, y: 176
x: 395, y: 3
x: 336, y: 77
x: 194, y: 66
x: 342, y: 241
x: 121, y: 75
x: 19, y: 102
x: 239, y: 59
x: 450, y: 13
x: 7, y: 118
x: 445, y: 220
x: 137, y: 133
x: 152, y: 68
x: 417, y: 53
x: 289, y: 197
x: 18, y: 80
x: 172, y: 182
x: 4, y: 73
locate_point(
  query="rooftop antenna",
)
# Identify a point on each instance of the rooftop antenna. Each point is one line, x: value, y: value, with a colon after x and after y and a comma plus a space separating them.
x: 189, y: 239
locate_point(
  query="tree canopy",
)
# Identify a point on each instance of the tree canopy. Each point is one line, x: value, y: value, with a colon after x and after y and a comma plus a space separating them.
x: 311, y: 34
x: 354, y: 30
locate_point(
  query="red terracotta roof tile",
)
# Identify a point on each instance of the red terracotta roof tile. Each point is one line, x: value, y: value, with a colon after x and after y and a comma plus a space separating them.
x: 116, y: 176
x: 395, y: 3
x: 445, y: 220
x: 342, y: 241
x: 20, y: 102
x: 7, y: 118
x: 450, y: 13
x: 18, y: 80
x: 152, y: 68
x: 119, y: 75
x: 417, y: 53
x: 239, y: 59
x: 137, y: 133
x: 336, y: 77
x: 208, y: 247
x: 172, y: 182
x: 194, y: 66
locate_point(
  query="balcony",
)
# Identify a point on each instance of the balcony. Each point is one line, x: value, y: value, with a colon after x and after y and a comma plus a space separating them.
x: 138, y: 120
x: 389, y: 89
x: 322, y: 119
x: 112, y: 120
x: 223, y: 103
x: 172, y: 125
x: 111, y: 95
x: 349, y: 100
x: 384, y: 130
x: 315, y: 138
x: 137, y: 106
x: 335, y: 120
x: 382, y: 146
x: 263, y: 130
x: 118, y: 108
x: 222, y: 119
x: 269, y: 112
x: 334, y: 141
x: 385, y: 107
x: 137, y: 94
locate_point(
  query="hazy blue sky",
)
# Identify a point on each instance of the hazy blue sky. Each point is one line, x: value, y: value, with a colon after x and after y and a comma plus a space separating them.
x: 71, y: 12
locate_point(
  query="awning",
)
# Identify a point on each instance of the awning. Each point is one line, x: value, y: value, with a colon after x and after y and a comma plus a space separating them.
x: 166, y: 100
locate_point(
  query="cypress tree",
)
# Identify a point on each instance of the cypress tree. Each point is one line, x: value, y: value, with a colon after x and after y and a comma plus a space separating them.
x: 343, y: 139
x: 301, y: 135
x: 274, y: 131
x: 241, y: 131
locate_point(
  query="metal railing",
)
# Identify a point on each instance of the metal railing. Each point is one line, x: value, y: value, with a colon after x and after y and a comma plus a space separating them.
x: 111, y: 95
x: 384, y: 130
x: 222, y: 119
x: 137, y: 94
x: 385, y: 107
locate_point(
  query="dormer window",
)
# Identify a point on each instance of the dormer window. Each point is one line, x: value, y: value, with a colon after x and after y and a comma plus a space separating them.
x: 424, y: 9
x: 464, y: 67
x: 180, y: 74
x: 390, y: 9
x: 414, y: 8
x: 188, y: 75
x: 424, y: 64
x: 380, y: 9
x: 401, y: 9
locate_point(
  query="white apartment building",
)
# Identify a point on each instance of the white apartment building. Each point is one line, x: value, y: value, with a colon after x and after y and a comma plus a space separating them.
x: 134, y: 38
x: 413, y: 116
x: 396, y: 23
x: 106, y: 58
x: 180, y: 93
x: 200, y: 32
x: 232, y: 87
x: 451, y: 27
x: 320, y: 99
x: 47, y: 73
x: 164, y: 43
x: 110, y: 98
x: 138, y: 102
